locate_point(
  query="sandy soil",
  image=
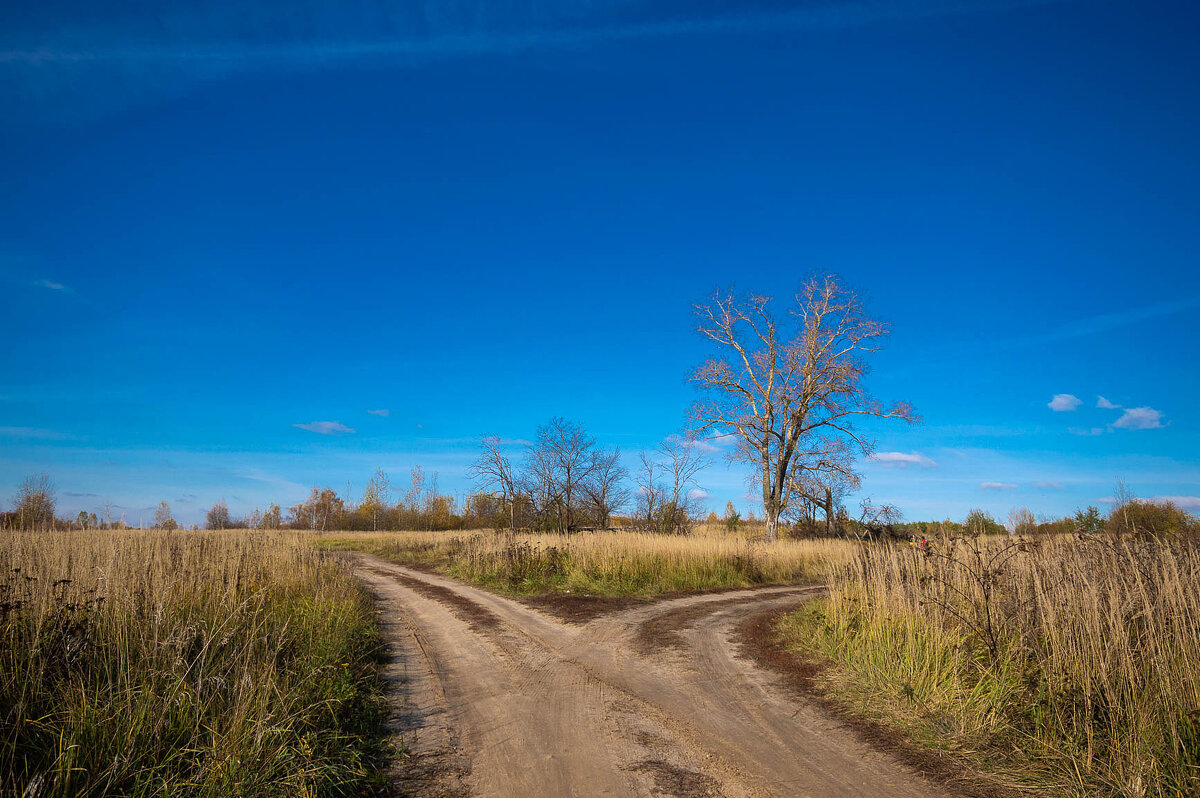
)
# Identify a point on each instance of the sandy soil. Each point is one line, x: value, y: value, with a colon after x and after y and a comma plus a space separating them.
x: 495, y: 698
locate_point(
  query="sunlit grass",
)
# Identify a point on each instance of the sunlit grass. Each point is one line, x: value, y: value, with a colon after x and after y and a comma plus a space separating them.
x: 183, y: 663
x: 1092, y: 686
x: 604, y: 563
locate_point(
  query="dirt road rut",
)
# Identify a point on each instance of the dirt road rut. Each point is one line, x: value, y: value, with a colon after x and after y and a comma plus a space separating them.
x: 497, y: 699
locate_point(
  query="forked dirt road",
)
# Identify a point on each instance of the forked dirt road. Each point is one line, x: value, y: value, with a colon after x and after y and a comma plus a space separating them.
x: 497, y: 699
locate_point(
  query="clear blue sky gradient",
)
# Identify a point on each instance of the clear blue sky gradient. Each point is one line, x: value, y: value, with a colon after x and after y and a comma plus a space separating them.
x: 219, y: 222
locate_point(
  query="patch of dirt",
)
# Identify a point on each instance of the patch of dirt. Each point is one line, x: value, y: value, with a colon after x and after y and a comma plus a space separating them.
x: 676, y: 782
x: 662, y: 631
x: 476, y: 616
x: 757, y: 641
x: 579, y: 609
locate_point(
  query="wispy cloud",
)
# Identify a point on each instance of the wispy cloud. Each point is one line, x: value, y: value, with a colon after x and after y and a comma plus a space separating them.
x: 51, y: 285
x: 1139, y: 418
x: 35, y: 433
x: 1064, y: 402
x: 326, y: 427
x: 901, y: 459
x: 1048, y: 485
x: 1104, y: 404
x: 1080, y: 431
x: 1112, y: 321
x: 229, y: 39
x: 998, y: 486
x: 382, y: 412
x: 1187, y: 502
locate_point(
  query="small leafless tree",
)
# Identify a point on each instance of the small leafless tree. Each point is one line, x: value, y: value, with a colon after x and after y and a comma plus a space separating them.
x: 560, y: 460
x: 162, y: 517
x: 605, y: 486
x: 493, y: 472
x: 682, y: 460
x: 649, y: 490
x: 790, y: 397
x: 218, y: 516
x: 35, y: 501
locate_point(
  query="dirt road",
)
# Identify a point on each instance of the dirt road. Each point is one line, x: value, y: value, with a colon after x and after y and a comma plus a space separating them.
x: 498, y: 699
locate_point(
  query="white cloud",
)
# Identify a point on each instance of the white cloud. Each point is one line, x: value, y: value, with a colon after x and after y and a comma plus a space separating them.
x: 1048, y: 485
x: 1063, y: 402
x: 697, y: 495
x: 997, y: 486
x: 53, y: 286
x: 325, y: 427
x: 1092, y: 431
x: 1187, y: 502
x: 901, y: 459
x: 1104, y: 404
x: 1139, y: 418
x: 382, y: 412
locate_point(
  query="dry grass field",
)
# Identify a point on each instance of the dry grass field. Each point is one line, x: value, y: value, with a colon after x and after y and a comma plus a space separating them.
x: 183, y: 663
x: 604, y: 563
x: 1066, y: 666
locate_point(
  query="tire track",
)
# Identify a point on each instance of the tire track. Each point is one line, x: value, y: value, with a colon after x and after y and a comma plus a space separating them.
x: 652, y: 700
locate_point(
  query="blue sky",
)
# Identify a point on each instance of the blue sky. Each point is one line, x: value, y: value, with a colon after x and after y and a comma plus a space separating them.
x: 226, y: 228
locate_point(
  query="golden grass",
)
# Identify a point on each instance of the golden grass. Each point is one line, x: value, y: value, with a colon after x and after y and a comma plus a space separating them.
x: 1067, y: 667
x: 182, y: 663
x: 604, y: 563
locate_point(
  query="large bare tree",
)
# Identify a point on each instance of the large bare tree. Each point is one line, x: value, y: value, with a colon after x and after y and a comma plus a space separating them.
x: 790, y: 389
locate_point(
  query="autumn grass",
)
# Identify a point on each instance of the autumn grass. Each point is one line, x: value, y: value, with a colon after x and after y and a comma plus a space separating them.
x: 603, y: 563
x: 1088, y: 682
x: 183, y: 663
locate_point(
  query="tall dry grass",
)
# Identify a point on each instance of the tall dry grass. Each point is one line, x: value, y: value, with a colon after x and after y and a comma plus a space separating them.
x: 1067, y: 666
x: 605, y: 563
x: 182, y: 663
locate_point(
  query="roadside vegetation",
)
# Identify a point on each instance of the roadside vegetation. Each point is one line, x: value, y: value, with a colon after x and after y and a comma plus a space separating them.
x: 1059, y: 664
x: 184, y: 663
x: 604, y: 563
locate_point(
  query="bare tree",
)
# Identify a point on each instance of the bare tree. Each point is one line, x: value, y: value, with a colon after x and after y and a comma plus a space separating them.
x: 790, y: 398
x: 493, y: 472
x: 218, y: 516
x: 538, y: 483
x: 376, y: 496
x: 34, y: 502
x: 649, y: 490
x: 162, y: 517
x: 605, y: 486
x: 682, y: 461
x: 1021, y: 521
x: 561, y: 456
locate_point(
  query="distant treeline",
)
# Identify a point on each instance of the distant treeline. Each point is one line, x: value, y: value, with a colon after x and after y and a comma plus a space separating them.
x: 590, y: 489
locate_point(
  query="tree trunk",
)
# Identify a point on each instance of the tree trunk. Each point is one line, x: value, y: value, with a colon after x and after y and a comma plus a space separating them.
x: 772, y: 525
x: 829, y: 512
